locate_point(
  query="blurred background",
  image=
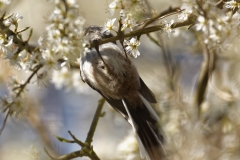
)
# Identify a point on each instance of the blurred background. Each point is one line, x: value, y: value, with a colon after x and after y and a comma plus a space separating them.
x: 55, y: 111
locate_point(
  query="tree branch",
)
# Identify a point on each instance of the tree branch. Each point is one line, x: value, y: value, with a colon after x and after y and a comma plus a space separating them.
x: 202, y: 80
x: 29, y: 79
x: 87, y: 149
x: 95, y: 121
x: 23, y: 45
x: 5, y: 121
x: 168, y: 12
x: 22, y: 87
x: 141, y: 31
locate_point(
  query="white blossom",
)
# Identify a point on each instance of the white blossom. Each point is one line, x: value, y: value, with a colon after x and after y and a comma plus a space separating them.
x: 214, y: 35
x: 14, y: 19
x: 232, y: 4
x: 186, y: 11
x: 202, y: 24
x: 62, y: 45
x: 50, y: 61
x: 71, y: 2
x: 112, y: 7
x: 128, y: 22
x: 9, y: 51
x: 109, y: 26
x: 131, y: 47
x: 168, y: 28
x: 62, y: 78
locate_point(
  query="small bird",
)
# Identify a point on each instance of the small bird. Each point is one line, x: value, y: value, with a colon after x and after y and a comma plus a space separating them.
x: 108, y: 70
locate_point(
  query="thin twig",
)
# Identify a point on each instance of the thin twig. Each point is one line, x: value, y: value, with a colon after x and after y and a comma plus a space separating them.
x: 49, y: 155
x: 167, y: 61
x: 76, y: 140
x: 22, y: 87
x: 28, y: 80
x: 154, y: 40
x: 66, y: 156
x: 5, y: 121
x: 95, y: 121
x: 202, y: 80
x: 165, y: 52
x: 164, y: 14
x: 166, y: 57
x: 22, y: 45
x: 63, y: 139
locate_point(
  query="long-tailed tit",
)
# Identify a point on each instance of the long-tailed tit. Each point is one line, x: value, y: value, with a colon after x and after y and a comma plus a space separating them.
x: 108, y: 70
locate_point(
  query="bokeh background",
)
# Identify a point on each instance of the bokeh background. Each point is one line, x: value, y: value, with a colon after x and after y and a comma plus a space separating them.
x: 55, y: 111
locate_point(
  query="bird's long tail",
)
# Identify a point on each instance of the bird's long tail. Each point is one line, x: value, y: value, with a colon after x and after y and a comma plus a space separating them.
x: 143, y: 120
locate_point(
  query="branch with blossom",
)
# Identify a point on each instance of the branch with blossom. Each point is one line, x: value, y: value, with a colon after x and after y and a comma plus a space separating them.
x: 138, y: 32
x: 11, y: 47
x: 55, y: 58
x: 48, y: 57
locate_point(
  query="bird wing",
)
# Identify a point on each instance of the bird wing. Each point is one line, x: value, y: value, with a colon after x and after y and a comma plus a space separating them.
x: 116, y: 104
x: 146, y: 92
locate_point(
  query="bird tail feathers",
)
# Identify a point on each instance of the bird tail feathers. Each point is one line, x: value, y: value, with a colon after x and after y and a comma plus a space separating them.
x: 143, y: 120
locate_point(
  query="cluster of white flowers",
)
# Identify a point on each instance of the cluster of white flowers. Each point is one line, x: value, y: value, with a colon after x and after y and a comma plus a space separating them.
x: 66, y: 78
x: 62, y: 44
x: 17, y: 103
x: 14, y: 54
x: 128, y: 21
x: 186, y: 11
x: 9, y: 51
x: 14, y: 102
x: 57, y: 52
x: 13, y: 19
x: 129, y: 14
x: 215, y: 29
x: 57, y: 55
